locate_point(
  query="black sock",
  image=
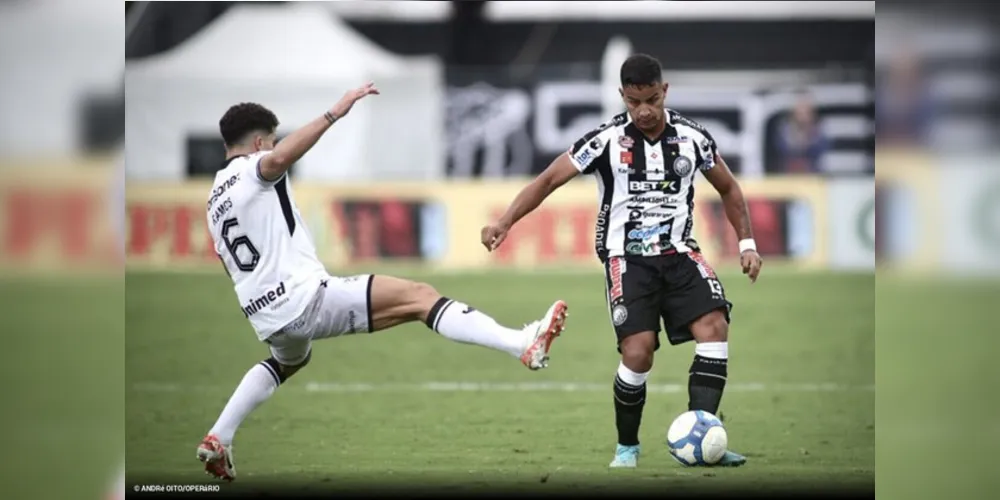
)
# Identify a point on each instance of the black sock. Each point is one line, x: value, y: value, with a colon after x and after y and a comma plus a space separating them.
x: 629, y: 400
x: 706, y: 383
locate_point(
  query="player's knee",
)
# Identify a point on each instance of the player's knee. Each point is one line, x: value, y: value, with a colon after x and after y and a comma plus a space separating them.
x: 638, y: 360
x: 422, y: 298
x: 285, y: 371
x: 711, y: 327
x: 637, y: 352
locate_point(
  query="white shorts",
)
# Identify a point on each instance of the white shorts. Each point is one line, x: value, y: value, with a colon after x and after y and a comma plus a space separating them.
x: 342, y: 306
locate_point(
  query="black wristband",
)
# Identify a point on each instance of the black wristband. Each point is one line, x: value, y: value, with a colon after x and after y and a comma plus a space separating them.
x: 329, y: 117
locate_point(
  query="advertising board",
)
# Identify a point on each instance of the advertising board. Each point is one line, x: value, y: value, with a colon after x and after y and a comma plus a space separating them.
x: 59, y: 218
x: 438, y: 224
x: 852, y: 229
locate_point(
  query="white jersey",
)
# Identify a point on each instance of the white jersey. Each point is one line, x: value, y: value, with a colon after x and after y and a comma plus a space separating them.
x: 645, y: 187
x: 264, y: 245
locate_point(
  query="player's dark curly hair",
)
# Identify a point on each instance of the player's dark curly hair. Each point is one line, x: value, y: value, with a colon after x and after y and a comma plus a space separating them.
x: 641, y: 70
x: 243, y: 118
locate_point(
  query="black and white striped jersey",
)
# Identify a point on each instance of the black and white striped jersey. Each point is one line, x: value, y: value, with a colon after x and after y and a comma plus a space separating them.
x: 646, y: 188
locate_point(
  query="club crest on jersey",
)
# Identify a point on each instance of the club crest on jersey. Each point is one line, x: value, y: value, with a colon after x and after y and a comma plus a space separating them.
x: 626, y: 142
x: 683, y: 166
x: 619, y: 315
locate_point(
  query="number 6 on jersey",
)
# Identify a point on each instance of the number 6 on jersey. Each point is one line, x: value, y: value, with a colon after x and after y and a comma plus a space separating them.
x: 233, y: 245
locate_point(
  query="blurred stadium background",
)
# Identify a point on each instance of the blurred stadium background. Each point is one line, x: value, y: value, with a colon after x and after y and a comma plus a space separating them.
x: 478, y: 96
x: 805, y: 99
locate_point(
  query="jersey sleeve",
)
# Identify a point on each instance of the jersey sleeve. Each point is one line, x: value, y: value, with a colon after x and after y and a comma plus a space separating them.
x: 587, y: 153
x: 252, y: 170
x: 707, y: 149
x: 705, y: 146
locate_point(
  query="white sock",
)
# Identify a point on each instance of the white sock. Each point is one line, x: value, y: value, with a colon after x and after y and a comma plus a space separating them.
x: 712, y: 350
x: 461, y: 323
x: 635, y: 379
x: 257, y: 385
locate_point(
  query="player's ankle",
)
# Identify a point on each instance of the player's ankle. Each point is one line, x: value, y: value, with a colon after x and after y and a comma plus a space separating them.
x: 220, y: 437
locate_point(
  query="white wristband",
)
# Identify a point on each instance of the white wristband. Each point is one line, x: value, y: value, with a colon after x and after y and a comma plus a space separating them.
x: 748, y: 244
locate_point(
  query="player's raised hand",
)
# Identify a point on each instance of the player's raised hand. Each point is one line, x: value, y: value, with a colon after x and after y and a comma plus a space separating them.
x: 352, y: 96
x: 492, y: 236
x: 751, y: 262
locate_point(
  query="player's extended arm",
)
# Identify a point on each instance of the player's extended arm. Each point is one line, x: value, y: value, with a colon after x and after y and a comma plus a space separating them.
x: 296, y: 144
x: 292, y: 147
x: 559, y: 172
x: 725, y: 183
x: 735, y: 204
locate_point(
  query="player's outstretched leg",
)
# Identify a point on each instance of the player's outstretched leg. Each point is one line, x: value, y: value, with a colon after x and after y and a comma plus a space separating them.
x: 707, y: 377
x: 630, y: 394
x: 395, y: 301
x: 288, y: 355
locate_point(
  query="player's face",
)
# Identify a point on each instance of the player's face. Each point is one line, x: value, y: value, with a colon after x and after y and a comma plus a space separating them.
x: 645, y: 104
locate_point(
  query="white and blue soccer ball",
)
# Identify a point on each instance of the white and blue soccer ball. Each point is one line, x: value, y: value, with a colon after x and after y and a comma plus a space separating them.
x: 697, y: 438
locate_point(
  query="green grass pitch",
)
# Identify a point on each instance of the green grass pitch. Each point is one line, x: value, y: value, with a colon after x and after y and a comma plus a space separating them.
x: 62, y: 427
x: 405, y: 405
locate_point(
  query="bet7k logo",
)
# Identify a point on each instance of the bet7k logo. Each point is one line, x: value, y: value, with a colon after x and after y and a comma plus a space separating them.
x: 669, y: 187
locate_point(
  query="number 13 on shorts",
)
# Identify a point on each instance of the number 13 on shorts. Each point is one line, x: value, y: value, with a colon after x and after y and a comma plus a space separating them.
x: 708, y: 274
x: 716, y: 286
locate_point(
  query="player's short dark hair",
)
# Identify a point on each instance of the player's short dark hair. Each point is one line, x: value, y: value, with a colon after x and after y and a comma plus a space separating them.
x: 641, y: 70
x: 244, y: 118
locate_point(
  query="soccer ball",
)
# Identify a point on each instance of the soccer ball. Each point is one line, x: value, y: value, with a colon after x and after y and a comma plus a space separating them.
x: 697, y: 438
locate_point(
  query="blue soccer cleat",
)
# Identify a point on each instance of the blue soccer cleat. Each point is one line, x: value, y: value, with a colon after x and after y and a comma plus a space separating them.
x: 625, y: 456
x: 731, y: 459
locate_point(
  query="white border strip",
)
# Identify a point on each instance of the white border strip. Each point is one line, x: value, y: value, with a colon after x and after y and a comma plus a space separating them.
x: 635, y: 11
x: 392, y: 10
x: 347, y: 387
x: 658, y: 11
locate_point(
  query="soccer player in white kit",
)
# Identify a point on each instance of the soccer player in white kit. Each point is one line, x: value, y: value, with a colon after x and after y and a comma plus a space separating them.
x: 287, y: 294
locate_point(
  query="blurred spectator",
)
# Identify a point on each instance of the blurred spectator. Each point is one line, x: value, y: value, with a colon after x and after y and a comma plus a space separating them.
x: 800, y: 141
x: 903, y: 105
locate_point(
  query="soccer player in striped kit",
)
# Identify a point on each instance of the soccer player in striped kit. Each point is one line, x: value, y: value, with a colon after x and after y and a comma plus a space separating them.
x: 644, y: 162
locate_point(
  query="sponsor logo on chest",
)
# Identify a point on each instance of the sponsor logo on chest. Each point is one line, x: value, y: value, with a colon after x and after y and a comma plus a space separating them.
x: 643, y: 233
x: 669, y: 187
x: 640, y: 248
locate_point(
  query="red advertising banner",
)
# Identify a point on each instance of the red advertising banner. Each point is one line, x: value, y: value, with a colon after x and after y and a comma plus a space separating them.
x: 58, y: 219
x: 438, y: 224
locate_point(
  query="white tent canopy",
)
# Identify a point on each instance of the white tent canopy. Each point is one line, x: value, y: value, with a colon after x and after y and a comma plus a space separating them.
x: 297, y: 60
x: 53, y: 53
